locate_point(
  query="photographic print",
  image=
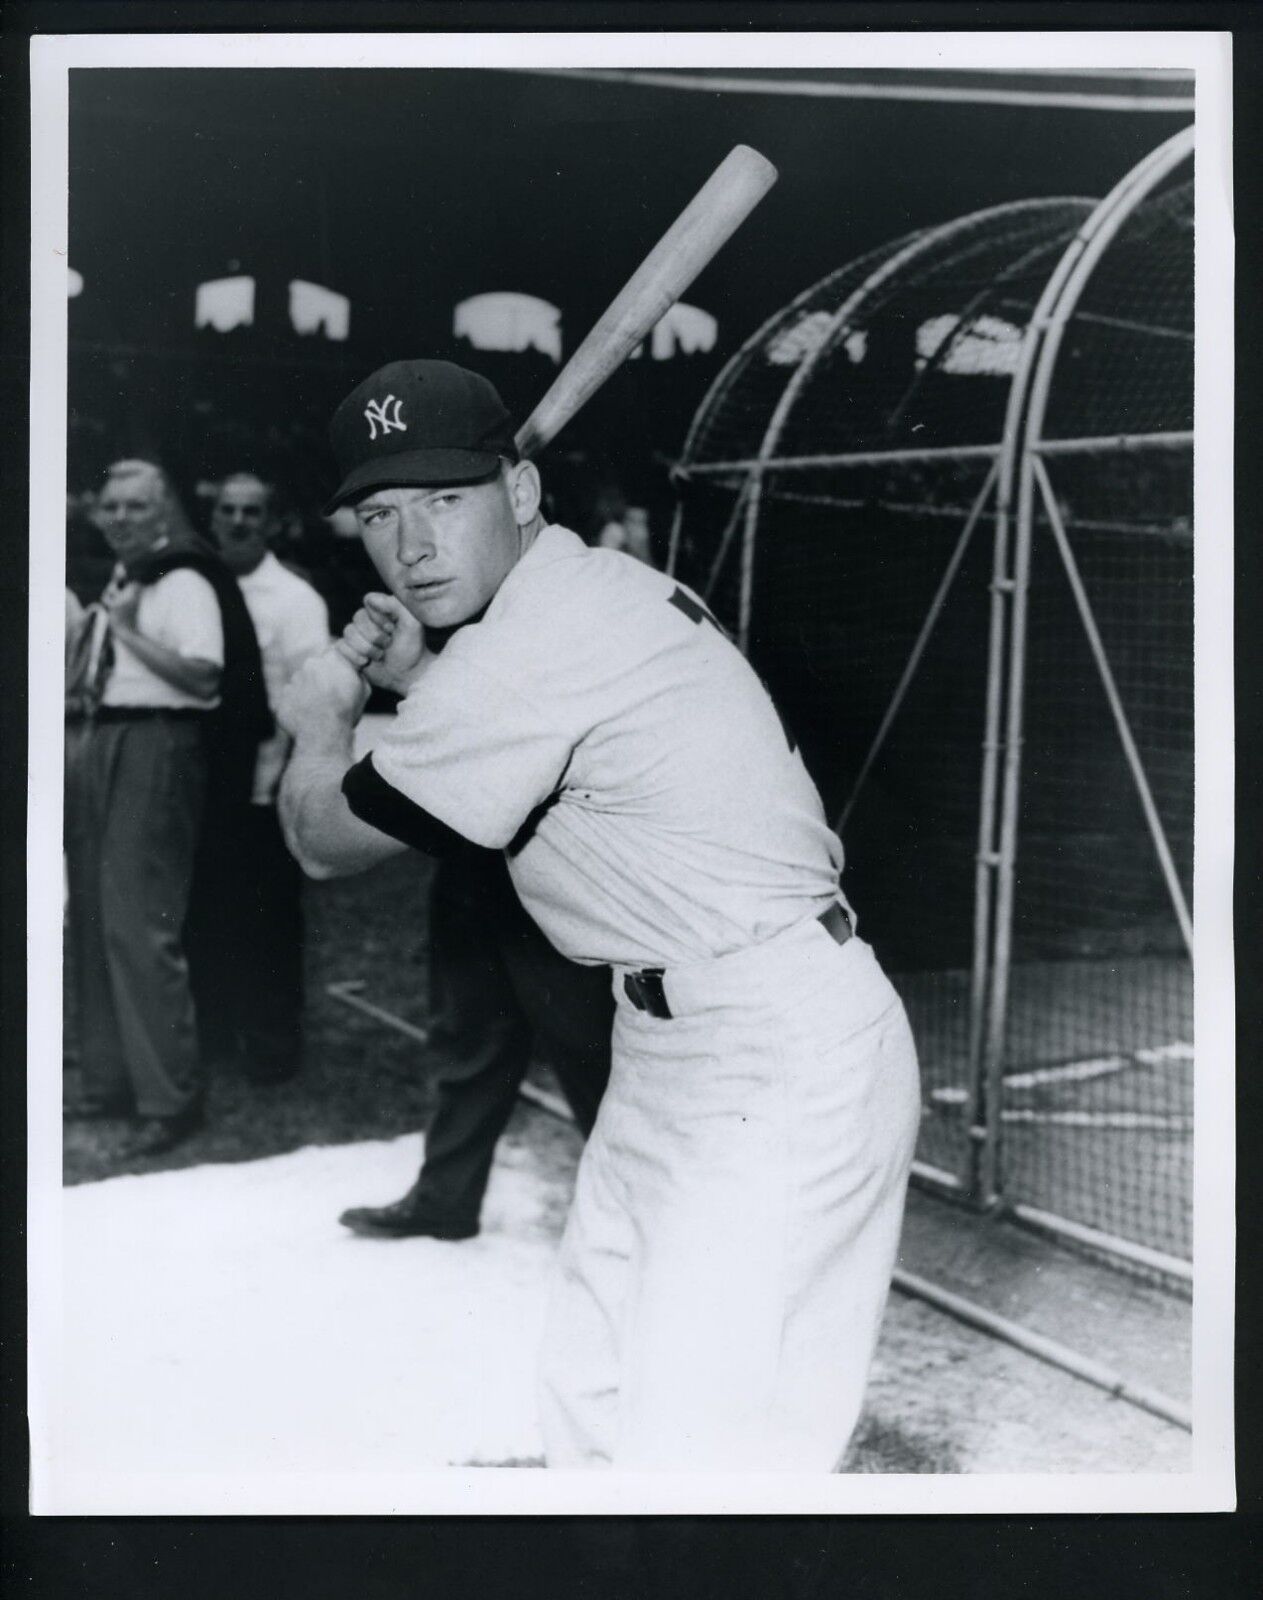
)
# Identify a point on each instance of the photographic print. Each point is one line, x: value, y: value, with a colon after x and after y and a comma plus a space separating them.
x: 642, y: 773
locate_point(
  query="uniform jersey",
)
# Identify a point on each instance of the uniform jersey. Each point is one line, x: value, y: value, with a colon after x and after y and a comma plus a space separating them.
x: 598, y: 725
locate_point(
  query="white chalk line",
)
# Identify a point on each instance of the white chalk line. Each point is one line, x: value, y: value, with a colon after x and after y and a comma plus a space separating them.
x: 1110, y: 1121
x: 1179, y: 1053
x: 1102, y: 1066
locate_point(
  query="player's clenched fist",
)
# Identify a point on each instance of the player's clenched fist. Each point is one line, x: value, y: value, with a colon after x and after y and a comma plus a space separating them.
x: 384, y: 642
x: 323, y: 699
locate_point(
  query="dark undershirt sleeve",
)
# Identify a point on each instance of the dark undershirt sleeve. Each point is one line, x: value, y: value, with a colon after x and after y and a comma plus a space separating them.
x: 374, y: 801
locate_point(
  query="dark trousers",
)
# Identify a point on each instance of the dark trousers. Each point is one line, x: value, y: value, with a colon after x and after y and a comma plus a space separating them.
x: 499, y: 989
x: 245, y: 942
x: 134, y: 798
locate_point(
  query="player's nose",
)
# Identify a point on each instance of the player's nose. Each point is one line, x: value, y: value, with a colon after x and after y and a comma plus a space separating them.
x: 416, y: 536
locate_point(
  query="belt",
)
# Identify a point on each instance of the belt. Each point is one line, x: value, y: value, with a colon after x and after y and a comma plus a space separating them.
x: 145, y: 713
x: 645, y: 988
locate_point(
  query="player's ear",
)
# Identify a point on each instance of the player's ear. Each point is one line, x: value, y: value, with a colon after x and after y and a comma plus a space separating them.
x: 525, y: 492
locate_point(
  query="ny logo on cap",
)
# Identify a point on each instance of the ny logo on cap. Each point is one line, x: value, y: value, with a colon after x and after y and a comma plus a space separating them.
x: 376, y: 411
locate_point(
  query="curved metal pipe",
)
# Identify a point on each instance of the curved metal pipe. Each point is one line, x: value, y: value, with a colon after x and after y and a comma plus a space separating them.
x: 1027, y: 406
x: 888, y: 261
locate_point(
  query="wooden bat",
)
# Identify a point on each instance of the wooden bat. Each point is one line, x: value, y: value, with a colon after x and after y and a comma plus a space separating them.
x: 696, y: 236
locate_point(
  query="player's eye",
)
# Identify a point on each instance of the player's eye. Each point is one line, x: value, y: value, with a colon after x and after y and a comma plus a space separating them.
x: 444, y: 501
x: 372, y: 517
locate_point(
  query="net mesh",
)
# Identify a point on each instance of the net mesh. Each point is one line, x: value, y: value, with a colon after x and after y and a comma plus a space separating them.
x: 909, y: 346
x: 915, y: 348
x: 1097, y: 1103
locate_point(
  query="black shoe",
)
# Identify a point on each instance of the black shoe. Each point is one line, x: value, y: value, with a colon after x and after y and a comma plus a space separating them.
x: 406, y: 1220
x: 155, y: 1135
x: 89, y: 1109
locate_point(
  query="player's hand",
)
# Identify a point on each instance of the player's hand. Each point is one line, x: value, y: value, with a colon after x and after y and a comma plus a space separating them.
x: 323, y: 700
x: 121, y: 600
x: 384, y: 642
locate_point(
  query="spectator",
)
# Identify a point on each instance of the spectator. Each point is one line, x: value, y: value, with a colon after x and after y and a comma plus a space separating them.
x: 245, y: 930
x: 171, y: 700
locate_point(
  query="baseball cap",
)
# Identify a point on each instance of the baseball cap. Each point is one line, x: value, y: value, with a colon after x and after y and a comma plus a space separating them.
x: 418, y: 422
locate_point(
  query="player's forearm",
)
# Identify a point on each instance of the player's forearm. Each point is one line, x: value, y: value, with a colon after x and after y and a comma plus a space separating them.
x: 324, y: 835
x: 190, y: 674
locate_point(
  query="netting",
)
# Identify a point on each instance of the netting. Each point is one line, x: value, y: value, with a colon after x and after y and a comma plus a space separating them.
x: 910, y: 346
x: 845, y: 460
x: 849, y: 559
x: 833, y: 637
x: 1098, y: 1069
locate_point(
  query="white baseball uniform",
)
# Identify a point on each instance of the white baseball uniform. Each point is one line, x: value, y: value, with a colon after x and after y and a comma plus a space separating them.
x: 738, y: 1205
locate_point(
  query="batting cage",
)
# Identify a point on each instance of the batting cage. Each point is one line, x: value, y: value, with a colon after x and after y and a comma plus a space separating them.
x: 944, y: 501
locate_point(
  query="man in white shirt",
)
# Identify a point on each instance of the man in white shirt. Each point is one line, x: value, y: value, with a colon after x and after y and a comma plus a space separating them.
x: 738, y: 1205
x: 136, y: 773
x: 245, y: 930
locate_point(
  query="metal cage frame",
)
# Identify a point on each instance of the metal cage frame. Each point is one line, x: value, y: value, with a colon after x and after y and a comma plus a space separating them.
x: 1017, y: 488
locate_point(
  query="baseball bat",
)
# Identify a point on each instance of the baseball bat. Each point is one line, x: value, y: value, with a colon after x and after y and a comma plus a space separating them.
x: 696, y: 236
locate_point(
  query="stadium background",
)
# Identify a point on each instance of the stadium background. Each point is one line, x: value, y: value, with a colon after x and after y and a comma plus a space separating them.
x: 408, y: 192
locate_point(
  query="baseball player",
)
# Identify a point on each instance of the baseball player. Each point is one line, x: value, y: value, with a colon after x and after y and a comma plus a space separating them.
x: 737, y: 1208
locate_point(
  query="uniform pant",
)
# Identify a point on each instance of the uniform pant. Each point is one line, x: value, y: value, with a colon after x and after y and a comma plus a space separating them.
x: 245, y: 942
x: 134, y: 799
x: 499, y: 990
x: 737, y: 1212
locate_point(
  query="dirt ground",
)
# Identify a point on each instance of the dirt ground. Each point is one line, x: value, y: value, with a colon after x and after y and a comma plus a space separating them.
x: 944, y: 1398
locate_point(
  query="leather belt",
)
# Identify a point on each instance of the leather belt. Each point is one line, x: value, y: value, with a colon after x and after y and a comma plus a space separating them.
x: 835, y: 922
x: 645, y: 988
